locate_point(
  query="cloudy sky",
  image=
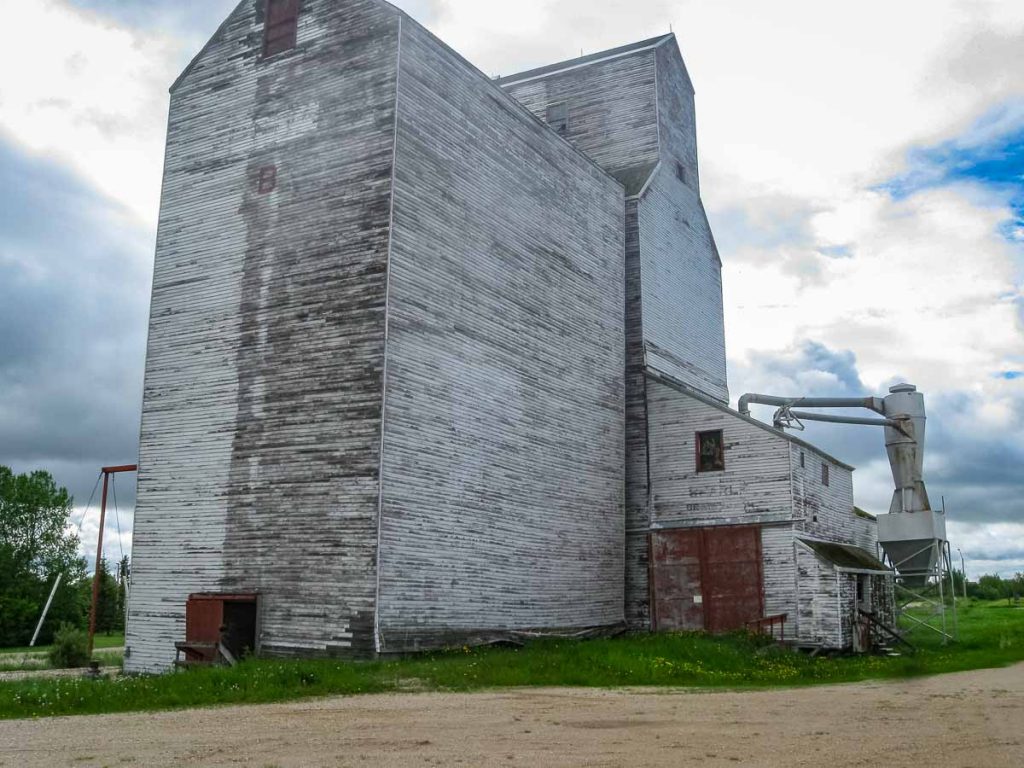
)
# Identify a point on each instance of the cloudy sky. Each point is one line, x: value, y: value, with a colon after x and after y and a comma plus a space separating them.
x: 862, y: 164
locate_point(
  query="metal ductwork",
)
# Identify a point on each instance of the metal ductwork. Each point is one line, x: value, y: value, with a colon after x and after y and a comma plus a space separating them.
x: 912, y: 534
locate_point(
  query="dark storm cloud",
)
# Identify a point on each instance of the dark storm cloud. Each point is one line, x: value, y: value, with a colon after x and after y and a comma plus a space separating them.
x: 74, y: 293
x: 812, y: 370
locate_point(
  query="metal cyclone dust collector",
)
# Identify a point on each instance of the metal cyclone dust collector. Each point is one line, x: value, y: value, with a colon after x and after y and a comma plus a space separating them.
x: 912, y: 534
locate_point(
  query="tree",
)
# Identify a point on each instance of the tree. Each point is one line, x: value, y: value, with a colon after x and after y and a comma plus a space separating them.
x: 36, y: 546
x: 989, y: 587
x: 109, y: 610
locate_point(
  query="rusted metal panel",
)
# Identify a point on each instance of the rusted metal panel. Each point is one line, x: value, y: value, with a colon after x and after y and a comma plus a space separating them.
x: 707, y: 578
x: 676, y: 586
x: 732, y: 577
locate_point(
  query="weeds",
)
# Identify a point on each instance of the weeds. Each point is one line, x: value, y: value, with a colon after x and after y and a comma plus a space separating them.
x: 991, y: 636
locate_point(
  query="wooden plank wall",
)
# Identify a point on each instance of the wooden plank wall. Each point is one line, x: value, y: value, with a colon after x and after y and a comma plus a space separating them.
x: 819, y: 600
x: 504, y: 439
x: 638, y: 500
x: 780, y: 574
x: 261, y: 417
x: 628, y: 114
x: 827, y: 511
x: 683, y: 314
x: 753, y: 489
x: 612, y: 111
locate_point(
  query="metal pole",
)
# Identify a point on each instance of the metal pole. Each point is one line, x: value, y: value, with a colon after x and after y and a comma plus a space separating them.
x: 942, y: 594
x: 99, y: 559
x: 46, y: 610
x: 963, y: 570
x: 952, y: 586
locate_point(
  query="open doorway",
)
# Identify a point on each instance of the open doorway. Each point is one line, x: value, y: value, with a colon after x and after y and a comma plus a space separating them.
x: 228, y: 620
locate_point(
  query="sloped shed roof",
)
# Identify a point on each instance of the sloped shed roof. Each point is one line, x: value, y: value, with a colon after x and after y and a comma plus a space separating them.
x: 845, y: 556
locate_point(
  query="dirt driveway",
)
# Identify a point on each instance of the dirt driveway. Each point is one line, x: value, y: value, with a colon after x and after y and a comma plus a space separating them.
x: 972, y: 720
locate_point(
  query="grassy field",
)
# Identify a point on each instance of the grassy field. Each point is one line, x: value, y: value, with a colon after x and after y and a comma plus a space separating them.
x: 107, y: 652
x: 101, y: 641
x: 992, y: 635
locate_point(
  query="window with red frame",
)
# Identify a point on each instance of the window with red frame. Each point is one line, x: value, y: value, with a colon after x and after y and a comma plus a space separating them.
x: 281, y: 27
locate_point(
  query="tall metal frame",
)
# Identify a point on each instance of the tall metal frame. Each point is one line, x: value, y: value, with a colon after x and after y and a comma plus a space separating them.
x: 927, y: 589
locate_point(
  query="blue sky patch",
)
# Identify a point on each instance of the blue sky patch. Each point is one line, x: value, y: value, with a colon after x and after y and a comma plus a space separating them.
x: 991, y: 153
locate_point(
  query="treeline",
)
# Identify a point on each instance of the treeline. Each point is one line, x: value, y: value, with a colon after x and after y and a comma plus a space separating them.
x: 997, y: 588
x: 37, y: 544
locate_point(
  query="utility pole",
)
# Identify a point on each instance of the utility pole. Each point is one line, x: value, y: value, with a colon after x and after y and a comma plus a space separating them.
x: 107, y: 472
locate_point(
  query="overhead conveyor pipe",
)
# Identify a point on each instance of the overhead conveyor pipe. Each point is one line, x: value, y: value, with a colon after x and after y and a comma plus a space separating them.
x: 892, y: 423
x: 871, y: 403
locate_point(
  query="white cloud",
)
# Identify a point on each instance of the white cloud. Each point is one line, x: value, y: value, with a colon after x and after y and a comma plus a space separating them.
x: 997, y: 549
x: 803, y: 107
x: 93, y: 97
x: 117, y: 536
x: 928, y: 292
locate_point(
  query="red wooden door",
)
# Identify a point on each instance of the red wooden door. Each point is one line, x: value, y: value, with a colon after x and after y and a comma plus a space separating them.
x: 706, y: 578
x: 676, y: 595
x: 203, y: 619
x: 733, y: 578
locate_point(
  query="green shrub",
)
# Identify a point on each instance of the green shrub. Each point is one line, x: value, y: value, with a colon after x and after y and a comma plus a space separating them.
x: 70, y: 648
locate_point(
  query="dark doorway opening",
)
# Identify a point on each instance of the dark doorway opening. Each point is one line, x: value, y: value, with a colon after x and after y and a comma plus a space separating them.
x: 231, y: 620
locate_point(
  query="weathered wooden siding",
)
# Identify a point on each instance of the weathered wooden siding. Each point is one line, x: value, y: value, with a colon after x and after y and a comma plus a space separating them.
x: 638, y: 507
x: 780, y: 574
x: 503, y: 449
x: 819, y: 600
x: 634, y: 114
x: 683, y: 316
x: 261, y: 418
x: 612, y: 111
x: 827, y: 511
x: 753, y: 489
x: 684, y: 320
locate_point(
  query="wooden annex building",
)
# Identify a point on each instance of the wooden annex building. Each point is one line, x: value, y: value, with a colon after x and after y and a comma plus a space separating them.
x: 438, y: 359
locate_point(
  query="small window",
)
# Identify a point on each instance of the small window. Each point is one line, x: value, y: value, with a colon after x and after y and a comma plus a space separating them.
x: 558, y: 118
x: 825, y: 474
x: 268, y: 179
x: 681, y: 172
x: 281, y: 27
x: 710, y: 451
x: 803, y: 460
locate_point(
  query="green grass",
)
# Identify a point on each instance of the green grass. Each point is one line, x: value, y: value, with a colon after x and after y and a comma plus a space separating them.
x: 100, y: 642
x: 106, y: 658
x: 992, y: 635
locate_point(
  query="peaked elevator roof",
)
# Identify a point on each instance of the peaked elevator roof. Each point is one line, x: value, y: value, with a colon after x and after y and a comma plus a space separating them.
x: 563, y: 66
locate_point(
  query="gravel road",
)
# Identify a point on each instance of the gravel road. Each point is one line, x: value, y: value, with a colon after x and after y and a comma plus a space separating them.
x: 970, y: 720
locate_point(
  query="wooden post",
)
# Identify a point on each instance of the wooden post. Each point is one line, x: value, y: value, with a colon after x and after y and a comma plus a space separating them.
x: 107, y: 472
x: 99, y: 560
